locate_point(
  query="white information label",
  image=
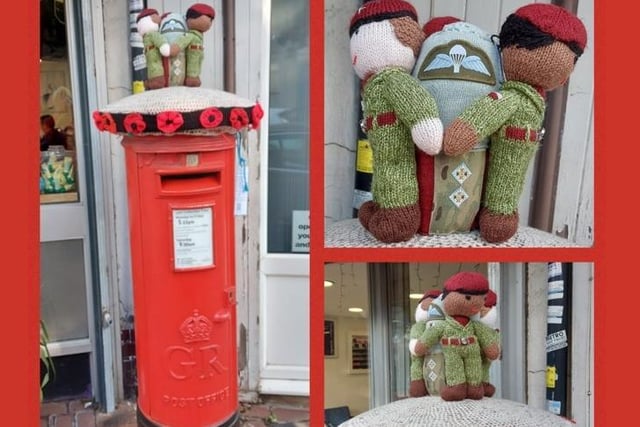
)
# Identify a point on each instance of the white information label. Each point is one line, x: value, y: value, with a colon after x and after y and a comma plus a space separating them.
x: 300, y: 231
x: 193, y: 238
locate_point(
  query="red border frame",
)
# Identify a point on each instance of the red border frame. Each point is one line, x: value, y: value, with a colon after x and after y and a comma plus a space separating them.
x: 19, y: 217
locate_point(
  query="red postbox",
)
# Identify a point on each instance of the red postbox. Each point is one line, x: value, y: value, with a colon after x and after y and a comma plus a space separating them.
x: 180, y: 156
x: 180, y: 192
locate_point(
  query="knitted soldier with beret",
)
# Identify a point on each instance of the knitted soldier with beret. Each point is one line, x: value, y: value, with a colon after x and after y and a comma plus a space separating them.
x: 398, y: 113
x: 464, y: 340
x: 199, y: 18
x: 417, y: 386
x: 540, y: 44
x: 155, y: 47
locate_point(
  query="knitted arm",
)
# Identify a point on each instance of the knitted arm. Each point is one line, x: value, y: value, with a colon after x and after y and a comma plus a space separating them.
x: 488, y: 339
x: 160, y: 42
x: 414, y: 334
x: 433, y: 332
x: 181, y: 43
x: 417, y: 109
x: 481, y: 119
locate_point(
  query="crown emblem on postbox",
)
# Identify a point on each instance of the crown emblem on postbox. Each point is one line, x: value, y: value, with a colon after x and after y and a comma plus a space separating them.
x: 196, y: 328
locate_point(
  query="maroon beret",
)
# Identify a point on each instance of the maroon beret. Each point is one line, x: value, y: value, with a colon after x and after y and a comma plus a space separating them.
x: 467, y: 282
x: 491, y: 299
x: 555, y: 21
x: 146, y: 12
x: 437, y: 24
x: 434, y: 293
x: 203, y: 9
x: 381, y: 10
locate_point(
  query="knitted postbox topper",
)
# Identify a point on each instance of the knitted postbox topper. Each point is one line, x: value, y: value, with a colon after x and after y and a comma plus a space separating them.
x: 179, y: 110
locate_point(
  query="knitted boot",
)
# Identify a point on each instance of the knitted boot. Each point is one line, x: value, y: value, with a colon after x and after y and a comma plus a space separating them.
x: 454, y: 393
x: 391, y: 225
x: 508, y: 163
x: 366, y: 211
x: 475, y: 392
x: 489, y: 389
x: 417, y: 388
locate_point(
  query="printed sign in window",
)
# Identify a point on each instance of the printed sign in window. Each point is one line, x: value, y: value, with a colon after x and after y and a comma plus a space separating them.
x: 300, y: 231
x: 193, y: 238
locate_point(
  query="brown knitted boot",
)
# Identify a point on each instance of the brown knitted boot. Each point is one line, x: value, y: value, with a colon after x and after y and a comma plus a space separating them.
x: 489, y: 389
x: 154, y: 83
x: 417, y: 388
x: 475, y: 392
x: 391, y: 225
x: 497, y: 228
x: 366, y: 211
x: 454, y: 393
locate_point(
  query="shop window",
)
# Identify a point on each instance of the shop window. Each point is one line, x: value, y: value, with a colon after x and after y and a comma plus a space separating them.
x: 288, y: 200
x: 58, y: 165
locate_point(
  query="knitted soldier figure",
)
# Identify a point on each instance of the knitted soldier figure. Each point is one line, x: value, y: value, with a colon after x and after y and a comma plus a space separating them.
x: 417, y: 387
x: 540, y: 44
x: 199, y: 20
x: 385, y: 39
x: 155, y: 47
x: 489, y: 317
x: 464, y: 341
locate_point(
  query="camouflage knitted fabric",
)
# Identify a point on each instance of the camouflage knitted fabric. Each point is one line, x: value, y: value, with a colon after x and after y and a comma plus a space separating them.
x: 435, y: 412
x: 516, y: 106
x: 394, y: 167
x: 417, y: 329
x: 463, y: 363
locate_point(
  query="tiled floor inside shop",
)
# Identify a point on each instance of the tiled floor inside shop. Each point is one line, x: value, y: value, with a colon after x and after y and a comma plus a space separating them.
x: 269, y: 411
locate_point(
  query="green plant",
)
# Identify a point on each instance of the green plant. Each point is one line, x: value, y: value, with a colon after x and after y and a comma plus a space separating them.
x: 45, y: 359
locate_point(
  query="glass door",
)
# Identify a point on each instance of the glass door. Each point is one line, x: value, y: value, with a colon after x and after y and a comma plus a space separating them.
x: 65, y: 283
x: 284, y: 259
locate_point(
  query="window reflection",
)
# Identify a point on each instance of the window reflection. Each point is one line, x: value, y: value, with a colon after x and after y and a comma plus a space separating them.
x: 288, y: 200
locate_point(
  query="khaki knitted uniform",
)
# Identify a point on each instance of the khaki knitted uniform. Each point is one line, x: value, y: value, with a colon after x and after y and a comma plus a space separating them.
x: 463, y: 362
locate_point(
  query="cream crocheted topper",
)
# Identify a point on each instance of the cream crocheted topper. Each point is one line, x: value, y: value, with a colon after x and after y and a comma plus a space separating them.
x: 179, y: 110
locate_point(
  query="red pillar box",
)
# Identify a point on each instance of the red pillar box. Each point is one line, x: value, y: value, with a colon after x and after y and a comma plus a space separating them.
x: 180, y: 149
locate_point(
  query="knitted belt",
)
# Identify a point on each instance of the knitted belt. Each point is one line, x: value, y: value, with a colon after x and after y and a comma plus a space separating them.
x: 520, y: 134
x: 382, y: 119
x: 457, y: 341
x: 196, y: 47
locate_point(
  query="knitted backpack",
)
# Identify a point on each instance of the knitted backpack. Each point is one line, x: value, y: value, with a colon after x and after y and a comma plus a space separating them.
x: 385, y: 38
x: 540, y: 44
x: 173, y: 26
x: 458, y: 64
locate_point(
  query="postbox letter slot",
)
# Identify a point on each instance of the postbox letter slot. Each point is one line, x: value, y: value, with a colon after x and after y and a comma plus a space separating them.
x: 192, y: 183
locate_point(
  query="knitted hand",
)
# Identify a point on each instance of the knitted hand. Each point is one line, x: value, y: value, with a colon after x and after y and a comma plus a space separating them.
x: 540, y: 44
x: 492, y: 351
x: 427, y: 135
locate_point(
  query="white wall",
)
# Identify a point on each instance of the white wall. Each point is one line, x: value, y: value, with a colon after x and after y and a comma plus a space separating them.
x: 341, y: 387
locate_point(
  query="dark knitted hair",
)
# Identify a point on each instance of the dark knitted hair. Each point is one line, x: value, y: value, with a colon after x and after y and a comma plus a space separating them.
x: 520, y: 32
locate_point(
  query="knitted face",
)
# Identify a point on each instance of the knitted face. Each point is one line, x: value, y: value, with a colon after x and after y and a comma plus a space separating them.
x: 547, y: 67
x: 148, y: 24
x: 489, y: 316
x: 388, y: 43
x: 459, y: 304
x: 422, y: 310
x: 201, y: 23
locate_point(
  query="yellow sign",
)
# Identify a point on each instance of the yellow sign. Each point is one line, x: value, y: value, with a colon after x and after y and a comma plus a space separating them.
x: 552, y: 376
x: 364, y: 157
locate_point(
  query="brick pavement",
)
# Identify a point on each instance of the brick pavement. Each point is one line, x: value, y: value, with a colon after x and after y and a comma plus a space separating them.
x: 268, y: 411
